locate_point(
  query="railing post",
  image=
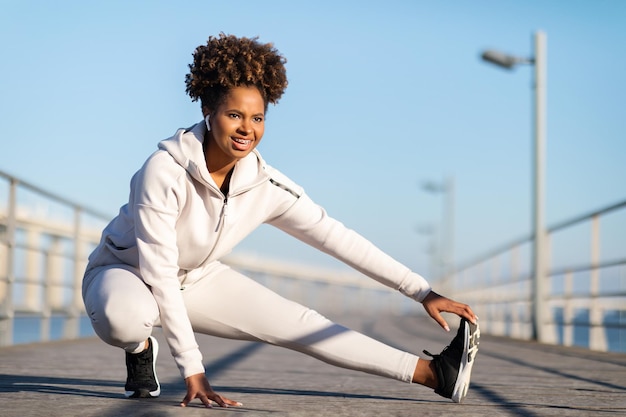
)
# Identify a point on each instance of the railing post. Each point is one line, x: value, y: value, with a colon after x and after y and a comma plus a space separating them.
x: 32, y: 285
x: 53, y: 286
x: 597, y: 334
x: 3, y: 263
x: 513, y: 307
x: 568, y: 309
x: 539, y: 261
x: 549, y: 335
x: 72, y: 323
x: 6, y: 306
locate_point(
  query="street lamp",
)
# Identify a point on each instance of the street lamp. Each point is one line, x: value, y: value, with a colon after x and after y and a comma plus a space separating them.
x: 505, y: 61
x: 432, y: 249
x: 539, y: 260
x: 446, y: 187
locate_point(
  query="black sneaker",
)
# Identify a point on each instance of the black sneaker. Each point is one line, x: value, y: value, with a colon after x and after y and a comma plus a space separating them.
x: 142, y: 381
x: 454, y: 363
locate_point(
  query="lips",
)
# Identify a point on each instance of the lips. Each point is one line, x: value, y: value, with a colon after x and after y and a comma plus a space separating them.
x: 241, y: 144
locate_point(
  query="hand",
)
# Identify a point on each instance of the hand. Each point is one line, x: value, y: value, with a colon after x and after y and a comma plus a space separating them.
x: 198, y: 387
x: 435, y: 304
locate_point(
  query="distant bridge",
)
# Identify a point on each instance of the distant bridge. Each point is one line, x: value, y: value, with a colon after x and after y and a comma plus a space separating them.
x: 45, y: 240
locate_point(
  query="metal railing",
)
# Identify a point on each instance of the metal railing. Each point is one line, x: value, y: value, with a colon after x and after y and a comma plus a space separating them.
x: 586, y: 301
x: 45, y: 240
x: 44, y: 243
x: 330, y: 291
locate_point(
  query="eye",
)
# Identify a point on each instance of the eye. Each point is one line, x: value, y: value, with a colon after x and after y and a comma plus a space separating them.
x: 258, y: 119
x: 233, y: 116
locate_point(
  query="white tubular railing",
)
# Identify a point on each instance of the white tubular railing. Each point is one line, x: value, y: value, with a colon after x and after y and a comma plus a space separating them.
x: 327, y: 290
x: 44, y: 243
x: 586, y: 301
x: 45, y: 240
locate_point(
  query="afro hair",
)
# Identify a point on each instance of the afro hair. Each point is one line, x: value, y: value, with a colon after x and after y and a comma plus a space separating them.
x: 227, y: 61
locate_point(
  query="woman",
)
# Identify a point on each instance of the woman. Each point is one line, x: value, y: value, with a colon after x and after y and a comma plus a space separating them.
x: 194, y: 199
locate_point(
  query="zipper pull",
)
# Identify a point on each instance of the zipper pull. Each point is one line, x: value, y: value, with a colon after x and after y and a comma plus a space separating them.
x: 222, y: 218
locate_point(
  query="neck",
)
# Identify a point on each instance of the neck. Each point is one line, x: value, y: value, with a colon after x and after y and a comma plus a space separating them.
x: 220, y: 168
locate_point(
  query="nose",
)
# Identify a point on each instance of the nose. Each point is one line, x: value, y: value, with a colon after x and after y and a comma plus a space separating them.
x: 245, y: 126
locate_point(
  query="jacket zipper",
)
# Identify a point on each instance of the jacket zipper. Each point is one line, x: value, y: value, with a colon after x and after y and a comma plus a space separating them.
x: 220, y: 223
x: 220, y: 227
x: 222, y: 220
x: 182, y: 282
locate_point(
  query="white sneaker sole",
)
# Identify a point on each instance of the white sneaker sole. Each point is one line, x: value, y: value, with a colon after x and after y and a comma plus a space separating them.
x: 470, y: 348
x: 155, y: 353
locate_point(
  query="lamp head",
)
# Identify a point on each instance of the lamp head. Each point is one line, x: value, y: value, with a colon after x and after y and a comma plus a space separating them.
x: 500, y: 59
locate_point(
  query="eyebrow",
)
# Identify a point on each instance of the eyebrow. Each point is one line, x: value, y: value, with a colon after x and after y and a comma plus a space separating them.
x: 239, y: 111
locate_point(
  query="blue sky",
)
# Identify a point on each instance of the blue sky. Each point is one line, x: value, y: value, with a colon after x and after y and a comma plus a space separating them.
x: 382, y: 96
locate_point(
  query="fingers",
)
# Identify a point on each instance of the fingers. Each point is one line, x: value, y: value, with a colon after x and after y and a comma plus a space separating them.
x: 469, y: 315
x: 225, y: 402
x: 219, y: 400
x: 463, y: 311
x: 188, y: 398
x: 198, y: 387
x: 185, y: 401
x: 439, y: 319
x: 466, y: 312
x: 203, y: 398
x: 207, y: 398
x: 435, y: 304
x: 232, y: 403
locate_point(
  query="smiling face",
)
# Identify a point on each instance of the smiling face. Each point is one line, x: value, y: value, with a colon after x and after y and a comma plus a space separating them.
x: 237, y: 126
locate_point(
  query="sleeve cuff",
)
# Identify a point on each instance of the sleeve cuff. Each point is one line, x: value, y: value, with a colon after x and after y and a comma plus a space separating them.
x: 190, y: 363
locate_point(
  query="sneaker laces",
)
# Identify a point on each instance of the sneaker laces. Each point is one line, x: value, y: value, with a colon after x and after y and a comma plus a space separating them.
x: 430, y: 354
x: 440, y: 354
x: 140, y: 366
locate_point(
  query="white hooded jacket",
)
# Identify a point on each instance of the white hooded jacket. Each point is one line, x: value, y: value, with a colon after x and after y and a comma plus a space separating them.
x: 177, y: 225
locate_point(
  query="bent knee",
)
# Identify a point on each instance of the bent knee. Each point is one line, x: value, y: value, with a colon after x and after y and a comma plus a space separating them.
x: 122, y: 327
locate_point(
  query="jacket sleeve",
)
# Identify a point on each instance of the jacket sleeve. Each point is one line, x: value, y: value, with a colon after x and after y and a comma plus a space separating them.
x: 310, y: 223
x: 155, y: 210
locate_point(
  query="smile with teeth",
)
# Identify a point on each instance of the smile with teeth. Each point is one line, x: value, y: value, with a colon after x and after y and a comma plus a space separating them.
x: 242, y: 141
x: 243, y: 145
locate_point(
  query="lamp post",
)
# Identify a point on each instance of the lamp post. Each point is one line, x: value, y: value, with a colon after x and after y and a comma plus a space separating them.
x: 432, y: 250
x: 446, y: 260
x: 539, y: 259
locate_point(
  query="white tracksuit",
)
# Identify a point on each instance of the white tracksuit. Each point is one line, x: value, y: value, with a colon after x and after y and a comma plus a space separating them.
x: 158, y: 264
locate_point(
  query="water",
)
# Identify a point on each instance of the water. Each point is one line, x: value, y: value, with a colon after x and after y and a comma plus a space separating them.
x: 614, y: 322
x: 27, y: 329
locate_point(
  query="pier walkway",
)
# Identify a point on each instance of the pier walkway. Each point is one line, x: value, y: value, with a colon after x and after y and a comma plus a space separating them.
x: 511, y: 378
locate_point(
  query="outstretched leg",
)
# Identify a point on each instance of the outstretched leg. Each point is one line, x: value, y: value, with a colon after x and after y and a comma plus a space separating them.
x: 234, y: 306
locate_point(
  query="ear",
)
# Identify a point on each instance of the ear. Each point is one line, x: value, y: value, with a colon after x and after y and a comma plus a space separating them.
x: 207, y: 116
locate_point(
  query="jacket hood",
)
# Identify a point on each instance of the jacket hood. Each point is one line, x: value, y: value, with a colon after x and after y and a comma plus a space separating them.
x: 186, y: 149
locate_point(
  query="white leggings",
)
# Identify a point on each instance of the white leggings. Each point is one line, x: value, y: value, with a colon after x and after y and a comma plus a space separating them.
x: 228, y: 304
